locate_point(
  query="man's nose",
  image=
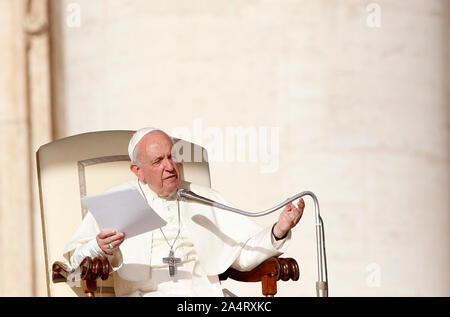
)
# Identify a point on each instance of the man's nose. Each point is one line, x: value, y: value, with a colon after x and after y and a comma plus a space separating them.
x: 168, y: 166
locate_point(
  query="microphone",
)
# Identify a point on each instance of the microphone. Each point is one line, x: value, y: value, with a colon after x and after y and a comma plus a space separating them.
x: 322, y: 283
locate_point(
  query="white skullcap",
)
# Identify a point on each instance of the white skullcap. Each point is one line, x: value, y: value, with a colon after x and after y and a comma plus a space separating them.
x: 137, y: 136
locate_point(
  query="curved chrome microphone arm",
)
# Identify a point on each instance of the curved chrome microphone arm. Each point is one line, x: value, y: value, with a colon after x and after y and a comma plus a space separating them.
x: 322, y: 283
x: 183, y: 193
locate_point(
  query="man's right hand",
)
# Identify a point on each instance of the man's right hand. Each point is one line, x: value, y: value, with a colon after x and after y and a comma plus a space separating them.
x: 110, y: 238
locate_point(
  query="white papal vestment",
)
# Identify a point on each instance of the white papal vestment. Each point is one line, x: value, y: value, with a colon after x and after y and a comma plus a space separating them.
x: 210, y: 241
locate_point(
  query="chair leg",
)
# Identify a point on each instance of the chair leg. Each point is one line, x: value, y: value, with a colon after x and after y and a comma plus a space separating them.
x: 269, y: 286
x: 89, y: 286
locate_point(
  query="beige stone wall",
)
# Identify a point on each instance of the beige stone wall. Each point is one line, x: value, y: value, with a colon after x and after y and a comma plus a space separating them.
x: 362, y: 113
x: 25, y: 124
x: 14, y: 192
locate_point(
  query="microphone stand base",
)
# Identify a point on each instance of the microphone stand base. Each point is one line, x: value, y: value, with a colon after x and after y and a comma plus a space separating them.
x: 322, y: 289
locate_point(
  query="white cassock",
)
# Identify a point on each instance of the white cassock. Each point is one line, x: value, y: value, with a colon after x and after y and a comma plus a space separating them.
x: 210, y: 241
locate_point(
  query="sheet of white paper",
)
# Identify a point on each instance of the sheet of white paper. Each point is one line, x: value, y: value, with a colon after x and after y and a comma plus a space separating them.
x: 124, y: 210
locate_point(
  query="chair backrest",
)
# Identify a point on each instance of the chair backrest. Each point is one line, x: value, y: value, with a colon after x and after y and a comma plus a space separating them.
x: 87, y: 164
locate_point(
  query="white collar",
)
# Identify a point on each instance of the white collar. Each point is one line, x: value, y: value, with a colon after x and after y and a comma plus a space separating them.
x: 151, y: 195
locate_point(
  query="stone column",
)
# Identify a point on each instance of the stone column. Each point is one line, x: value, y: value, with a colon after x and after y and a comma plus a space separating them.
x: 25, y: 124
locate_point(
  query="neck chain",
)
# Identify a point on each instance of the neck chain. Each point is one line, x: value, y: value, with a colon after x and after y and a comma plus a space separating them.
x: 179, y: 227
x: 171, y: 260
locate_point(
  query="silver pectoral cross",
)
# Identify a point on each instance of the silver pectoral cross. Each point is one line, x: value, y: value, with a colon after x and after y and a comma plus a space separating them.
x: 171, y: 260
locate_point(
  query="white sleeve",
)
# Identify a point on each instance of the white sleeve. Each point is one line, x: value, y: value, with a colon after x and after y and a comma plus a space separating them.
x: 259, y: 248
x: 84, y: 243
x: 90, y: 249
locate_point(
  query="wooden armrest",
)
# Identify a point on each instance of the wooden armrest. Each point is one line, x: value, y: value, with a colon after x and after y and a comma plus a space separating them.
x: 268, y: 272
x: 91, y: 270
x: 60, y: 271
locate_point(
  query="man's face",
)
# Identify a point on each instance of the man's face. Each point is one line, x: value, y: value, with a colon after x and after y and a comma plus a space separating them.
x: 157, y: 166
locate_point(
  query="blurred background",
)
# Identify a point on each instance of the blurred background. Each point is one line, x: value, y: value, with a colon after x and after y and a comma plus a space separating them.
x: 357, y: 92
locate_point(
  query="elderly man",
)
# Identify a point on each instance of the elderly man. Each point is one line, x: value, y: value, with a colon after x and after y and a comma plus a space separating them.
x: 201, y: 241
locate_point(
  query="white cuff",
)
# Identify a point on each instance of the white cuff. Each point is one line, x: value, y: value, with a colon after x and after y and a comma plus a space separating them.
x: 96, y: 248
x: 278, y: 244
x: 99, y: 251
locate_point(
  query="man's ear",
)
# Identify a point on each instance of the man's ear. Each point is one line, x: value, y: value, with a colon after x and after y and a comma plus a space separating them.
x: 137, y: 171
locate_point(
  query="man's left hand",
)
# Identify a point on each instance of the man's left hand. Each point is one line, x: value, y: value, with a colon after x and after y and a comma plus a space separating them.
x: 289, y: 218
